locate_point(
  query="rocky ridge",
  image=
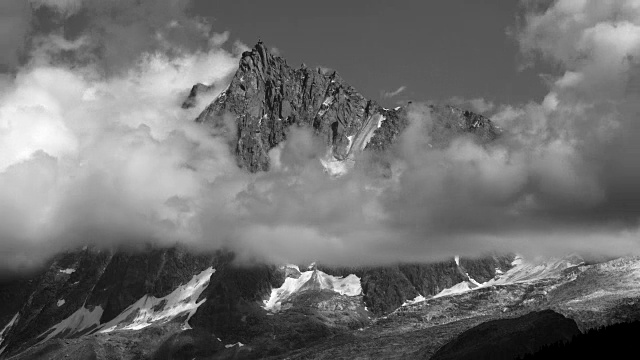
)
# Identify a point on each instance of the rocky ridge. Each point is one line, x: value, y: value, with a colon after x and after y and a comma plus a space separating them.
x: 267, y: 96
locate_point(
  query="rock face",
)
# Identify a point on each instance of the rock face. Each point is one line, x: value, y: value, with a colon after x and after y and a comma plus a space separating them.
x: 387, y: 288
x: 267, y: 96
x: 196, y: 90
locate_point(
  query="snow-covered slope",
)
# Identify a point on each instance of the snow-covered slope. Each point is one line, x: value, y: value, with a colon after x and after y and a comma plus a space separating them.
x: 458, y: 288
x: 417, y: 299
x: 181, y: 303
x: 533, y: 270
x: 357, y: 143
x: 312, y: 280
x: 149, y: 310
x: 522, y: 271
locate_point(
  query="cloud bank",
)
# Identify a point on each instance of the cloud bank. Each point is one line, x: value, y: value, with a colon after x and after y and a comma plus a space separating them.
x: 96, y: 150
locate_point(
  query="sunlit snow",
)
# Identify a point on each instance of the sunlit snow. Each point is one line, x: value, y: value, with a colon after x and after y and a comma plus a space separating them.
x: 523, y: 271
x: 144, y: 312
x: 458, y: 288
x: 149, y: 309
x: 239, y: 344
x: 417, y: 299
x: 312, y: 280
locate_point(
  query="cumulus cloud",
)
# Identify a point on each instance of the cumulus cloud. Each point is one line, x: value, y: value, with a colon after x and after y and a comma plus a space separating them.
x: 102, y: 159
x: 118, y: 31
x: 109, y: 157
x: 562, y: 178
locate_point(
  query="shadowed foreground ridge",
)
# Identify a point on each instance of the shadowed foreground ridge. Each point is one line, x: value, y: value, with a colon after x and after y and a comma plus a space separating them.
x: 509, y: 338
x: 608, y: 342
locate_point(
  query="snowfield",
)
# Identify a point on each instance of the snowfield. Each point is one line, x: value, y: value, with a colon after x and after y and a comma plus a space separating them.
x: 149, y: 310
x: 312, y: 280
x: 146, y: 311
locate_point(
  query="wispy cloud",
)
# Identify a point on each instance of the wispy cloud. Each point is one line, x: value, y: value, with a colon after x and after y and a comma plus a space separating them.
x: 390, y: 94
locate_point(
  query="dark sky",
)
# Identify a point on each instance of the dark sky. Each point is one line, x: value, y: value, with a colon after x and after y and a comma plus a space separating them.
x: 437, y: 49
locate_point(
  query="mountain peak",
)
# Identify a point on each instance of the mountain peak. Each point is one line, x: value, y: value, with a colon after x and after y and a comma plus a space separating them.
x: 267, y: 96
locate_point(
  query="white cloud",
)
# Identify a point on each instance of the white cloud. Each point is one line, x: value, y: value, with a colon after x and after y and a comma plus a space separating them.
x: 113, y: 158
x: 398, y: 91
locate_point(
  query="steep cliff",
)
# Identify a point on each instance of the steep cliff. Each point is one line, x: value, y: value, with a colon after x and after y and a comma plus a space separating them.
x: 267, y: 96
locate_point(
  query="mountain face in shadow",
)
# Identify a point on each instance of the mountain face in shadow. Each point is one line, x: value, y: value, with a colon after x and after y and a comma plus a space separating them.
x: 509, y: 338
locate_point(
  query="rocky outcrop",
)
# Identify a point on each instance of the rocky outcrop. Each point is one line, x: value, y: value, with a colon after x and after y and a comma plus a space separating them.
x: 385, y: 288
x: 197, y: 90
x: 267, y: 96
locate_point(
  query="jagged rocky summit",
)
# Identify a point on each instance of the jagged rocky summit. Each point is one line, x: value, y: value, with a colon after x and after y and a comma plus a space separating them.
x: 267, y: 96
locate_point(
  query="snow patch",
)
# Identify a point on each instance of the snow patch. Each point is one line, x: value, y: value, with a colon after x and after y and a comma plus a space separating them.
x: 524, y: 271
x: 8, y: 327
x: 68, y: 271
x: 292, y: 266
x: 417, y: 299
x: 457, y: 260
x: 517, y: 260
x: 458, y: 288
x: 149, y: 309
x: 146, y: 311
x: 238, y: 344
x: 350, y: 138
x: 369, y: 134
x: 472, y: 280
x: 325, y: 105
x: 312, y: 280
x: 81, y: 320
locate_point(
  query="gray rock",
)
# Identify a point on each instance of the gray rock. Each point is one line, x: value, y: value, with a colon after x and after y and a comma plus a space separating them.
x: 267, y: 96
